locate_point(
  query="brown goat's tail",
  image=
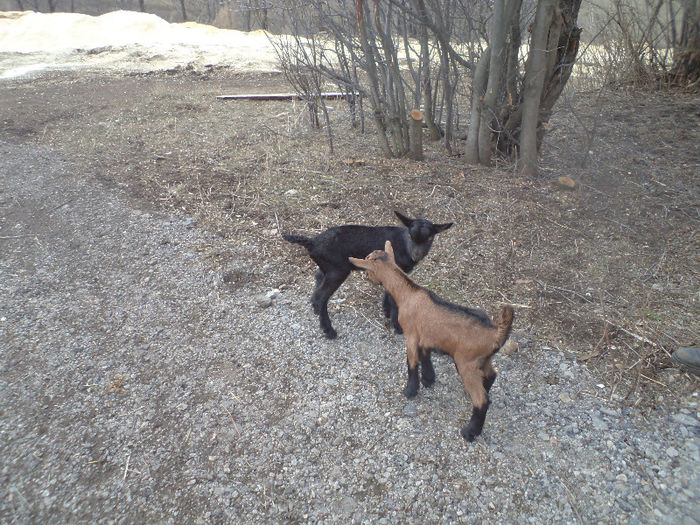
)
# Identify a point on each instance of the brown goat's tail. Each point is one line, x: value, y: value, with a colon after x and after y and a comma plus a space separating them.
x: 504, y: 323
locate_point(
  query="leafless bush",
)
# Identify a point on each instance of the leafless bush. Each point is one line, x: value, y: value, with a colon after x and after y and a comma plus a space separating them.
x: 635, y: 43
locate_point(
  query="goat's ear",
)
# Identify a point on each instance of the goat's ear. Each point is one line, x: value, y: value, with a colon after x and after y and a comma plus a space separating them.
x: 405, y: 220
x: 360, y: 263
x: 389, y: 249
x: 437, y: 228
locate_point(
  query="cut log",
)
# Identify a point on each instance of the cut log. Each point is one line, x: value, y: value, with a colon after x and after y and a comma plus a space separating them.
x: 276, y: 96
x: 416, y: 135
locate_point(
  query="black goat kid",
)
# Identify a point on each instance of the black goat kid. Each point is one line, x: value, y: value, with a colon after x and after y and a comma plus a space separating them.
x: 330, y: 251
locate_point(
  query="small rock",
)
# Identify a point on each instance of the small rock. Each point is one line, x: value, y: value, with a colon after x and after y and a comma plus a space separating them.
x: 565, y: 183
x: 410, y: 410
x: 291, y: 192
x: 510, y: 347
x: 263, y: 300
x: 565, y: 398
x: 189, y: 222
x: 672, y: 452
x: 598, y: 423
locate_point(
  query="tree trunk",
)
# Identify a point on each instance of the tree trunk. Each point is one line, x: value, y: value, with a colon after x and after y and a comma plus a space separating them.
x: 686, y: 67
x: 426, y: 87
x: 416, y: 135
x: 562, y: 48
x: 375, y: 96
x: 396, y: 99
x: 183, y: 11
x: 471, y: 152
x: 265, y: 23
x: 489, y: 109
x: 433, y: 129
x: 536, y: 70
x: 142, y: 5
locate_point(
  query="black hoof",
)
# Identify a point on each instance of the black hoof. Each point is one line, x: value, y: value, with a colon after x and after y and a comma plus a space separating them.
x: 331, y: 334
x: 470, y: 433
x: 410, y: 392
x: 427, y: 381
x: 398, y: 329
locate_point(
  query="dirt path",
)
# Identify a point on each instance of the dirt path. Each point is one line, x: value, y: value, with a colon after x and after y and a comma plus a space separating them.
x: 136, y: 387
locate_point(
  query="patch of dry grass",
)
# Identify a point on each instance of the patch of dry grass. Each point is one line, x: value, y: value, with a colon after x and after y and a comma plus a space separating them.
x: 607, y: 272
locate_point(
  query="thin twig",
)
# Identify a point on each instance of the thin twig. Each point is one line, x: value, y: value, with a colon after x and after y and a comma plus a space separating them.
x: 571, y: 499
x: 653, y: 380
x: 126, y: 467
x: 233, y: 420
x: 373, y: 323
x: 467, y: 242
x: 606, y: 333
x: 61, y: 205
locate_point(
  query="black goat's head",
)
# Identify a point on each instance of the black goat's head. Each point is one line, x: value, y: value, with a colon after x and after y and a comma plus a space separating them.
x: 422, y: 230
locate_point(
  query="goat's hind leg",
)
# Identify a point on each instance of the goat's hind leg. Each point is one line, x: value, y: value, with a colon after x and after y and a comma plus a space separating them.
x: 331, y: 282
x: 489, y: 375
x: 474, y: 385
x: 319, y: 276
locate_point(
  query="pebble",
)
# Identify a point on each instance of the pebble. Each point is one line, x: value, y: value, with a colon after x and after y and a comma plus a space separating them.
x: 410, y: 410
x: 564, y: 397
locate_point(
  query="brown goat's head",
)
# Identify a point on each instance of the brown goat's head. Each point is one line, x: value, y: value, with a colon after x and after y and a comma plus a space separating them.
x: 372, y: 262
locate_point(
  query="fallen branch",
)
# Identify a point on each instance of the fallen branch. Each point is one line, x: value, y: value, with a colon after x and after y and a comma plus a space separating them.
x: 280, y: 96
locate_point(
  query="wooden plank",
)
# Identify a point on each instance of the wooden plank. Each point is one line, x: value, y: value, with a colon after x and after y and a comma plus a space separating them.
x: 276, y: 96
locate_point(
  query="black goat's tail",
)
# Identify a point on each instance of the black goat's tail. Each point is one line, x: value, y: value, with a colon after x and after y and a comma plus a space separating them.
x: 503, y: 324
x: 306, y: 242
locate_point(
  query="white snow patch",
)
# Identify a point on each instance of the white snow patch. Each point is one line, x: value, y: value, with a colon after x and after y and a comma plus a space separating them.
x: 31, y: 43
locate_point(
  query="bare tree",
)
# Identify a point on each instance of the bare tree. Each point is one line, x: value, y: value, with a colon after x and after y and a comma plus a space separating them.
x: 301, y: 63
x: 686, y: 67
x: 183, y: 11
x: 502, y: 95
x: 533, y: 84
x: 412, y: 54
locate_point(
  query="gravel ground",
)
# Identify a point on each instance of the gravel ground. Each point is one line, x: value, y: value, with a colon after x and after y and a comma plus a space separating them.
x: 136, y: 386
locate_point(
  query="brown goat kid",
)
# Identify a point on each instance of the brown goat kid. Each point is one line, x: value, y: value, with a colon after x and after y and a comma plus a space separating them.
x: 430, y: 323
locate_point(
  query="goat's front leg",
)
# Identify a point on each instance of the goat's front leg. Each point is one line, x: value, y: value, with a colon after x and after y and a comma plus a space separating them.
x: 426, y: 368
x: 474, y: 384
x: 412, y: 359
